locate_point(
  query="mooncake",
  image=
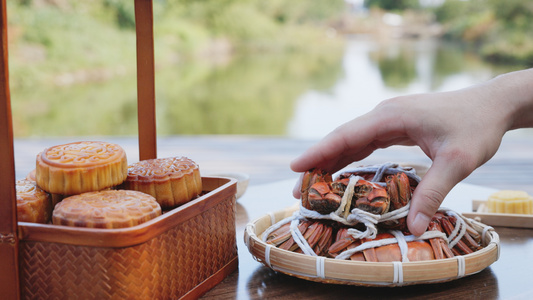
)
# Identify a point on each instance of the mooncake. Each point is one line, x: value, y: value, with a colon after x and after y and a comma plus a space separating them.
x: 510, y: 202
x: 55, y: 197
x: 81, y: 167
x: 172, y: 181
x: 33, y: 204
x: 106, y: 209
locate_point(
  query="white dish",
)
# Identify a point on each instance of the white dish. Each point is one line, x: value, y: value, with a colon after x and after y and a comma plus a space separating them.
x: 242, y: 181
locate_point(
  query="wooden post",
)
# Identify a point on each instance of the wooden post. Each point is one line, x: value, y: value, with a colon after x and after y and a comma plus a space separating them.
x: 144, y: 20
x: 9, y: 273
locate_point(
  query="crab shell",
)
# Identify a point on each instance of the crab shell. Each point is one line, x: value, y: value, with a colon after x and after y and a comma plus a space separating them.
x: 320, y: 193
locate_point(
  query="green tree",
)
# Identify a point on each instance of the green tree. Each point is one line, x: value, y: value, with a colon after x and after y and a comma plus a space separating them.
x: 393, y: 4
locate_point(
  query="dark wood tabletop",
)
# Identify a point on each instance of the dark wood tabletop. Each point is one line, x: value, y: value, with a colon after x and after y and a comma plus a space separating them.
x: 266, y: 160
x: 509, y: 277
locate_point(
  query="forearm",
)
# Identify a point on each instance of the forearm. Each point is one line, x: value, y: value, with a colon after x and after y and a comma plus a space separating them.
x: 514, y: 92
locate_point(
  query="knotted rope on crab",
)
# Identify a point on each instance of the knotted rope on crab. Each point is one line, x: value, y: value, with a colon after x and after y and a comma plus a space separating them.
x: 365, y: 195
x: 335, y: 215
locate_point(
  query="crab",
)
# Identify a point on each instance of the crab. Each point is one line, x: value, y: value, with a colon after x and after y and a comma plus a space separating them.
x: 324, y: 195
x: 377, y: 195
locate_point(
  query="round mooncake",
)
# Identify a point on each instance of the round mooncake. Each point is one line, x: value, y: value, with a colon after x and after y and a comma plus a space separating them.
x: 172, y: 181
x: 33, y: 204
x: 56, y: 198
x: 81, y: 167
x: 106, y: 209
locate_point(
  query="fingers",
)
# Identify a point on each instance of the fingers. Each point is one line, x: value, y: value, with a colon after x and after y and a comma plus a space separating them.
x: 443, y: 175
x: 349, y: 142
x: 297, y: 188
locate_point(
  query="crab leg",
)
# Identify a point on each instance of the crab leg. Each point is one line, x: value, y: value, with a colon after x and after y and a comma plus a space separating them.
x: 448, y: 228
x: 283, y: 234
x: 312, y: 235
x: 342, y: 241
x: 325, y: 241
x: 439, y: 245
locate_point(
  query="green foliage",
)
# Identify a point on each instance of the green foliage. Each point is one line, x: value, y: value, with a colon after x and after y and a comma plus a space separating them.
x: 514, y: 14
x: 73, y: 35
x: 73, y: 64
x: 254, y: 94
x: 123, y: 12
x: 501, y: 29
x: 393, y: 5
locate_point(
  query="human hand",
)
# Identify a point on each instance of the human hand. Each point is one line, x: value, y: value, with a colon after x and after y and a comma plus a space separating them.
x: 458, y: 130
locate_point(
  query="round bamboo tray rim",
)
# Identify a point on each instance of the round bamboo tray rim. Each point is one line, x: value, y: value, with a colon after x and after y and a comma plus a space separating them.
x: 330, y: 270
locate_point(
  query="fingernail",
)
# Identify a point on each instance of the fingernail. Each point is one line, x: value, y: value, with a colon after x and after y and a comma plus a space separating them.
x: 420, y: 223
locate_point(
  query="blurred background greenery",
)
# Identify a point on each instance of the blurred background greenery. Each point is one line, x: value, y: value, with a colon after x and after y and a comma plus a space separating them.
x: 248, y: 66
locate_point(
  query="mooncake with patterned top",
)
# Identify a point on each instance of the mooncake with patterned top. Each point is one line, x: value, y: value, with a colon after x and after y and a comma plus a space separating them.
x: 106, y: 209
x: 81, y: 167
x: 172, y: 181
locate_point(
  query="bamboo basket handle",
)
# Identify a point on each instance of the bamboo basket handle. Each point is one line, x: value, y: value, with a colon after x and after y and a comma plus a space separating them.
x: 144, y: 20
x: 9, y: 272
x: 9, y: 268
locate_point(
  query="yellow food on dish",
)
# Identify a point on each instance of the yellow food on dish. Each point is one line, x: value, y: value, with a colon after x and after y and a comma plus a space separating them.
x: 106, y: 209
x: 81, y: 167
x: 172, y: 181
x: 33, y: 204
x: 510, y: 202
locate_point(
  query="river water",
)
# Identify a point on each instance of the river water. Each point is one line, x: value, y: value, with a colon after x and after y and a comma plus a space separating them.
x: 297, y: 95
x: 373, y: 72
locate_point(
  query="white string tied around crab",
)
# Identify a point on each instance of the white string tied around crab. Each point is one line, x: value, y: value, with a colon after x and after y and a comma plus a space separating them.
x: 355, y: 217
x: 370, y: 221
x: 398, y: 238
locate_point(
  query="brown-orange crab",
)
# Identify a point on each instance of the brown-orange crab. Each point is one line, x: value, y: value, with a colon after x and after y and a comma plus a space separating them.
x: 324, y: 195
x: 377, y: 191
x: 432, y: 248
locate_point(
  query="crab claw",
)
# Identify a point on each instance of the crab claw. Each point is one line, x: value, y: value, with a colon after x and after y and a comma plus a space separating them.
x: 310, y: 178
x: 399, y: 190
x: 371, y: 197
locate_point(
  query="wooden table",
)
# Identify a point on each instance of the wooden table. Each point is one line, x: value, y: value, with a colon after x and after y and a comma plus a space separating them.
x: 509, y: 277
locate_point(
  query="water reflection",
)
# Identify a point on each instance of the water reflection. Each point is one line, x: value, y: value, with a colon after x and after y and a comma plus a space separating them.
x: 301, y: 95
x: 252, y: 94
x: 375, y: 71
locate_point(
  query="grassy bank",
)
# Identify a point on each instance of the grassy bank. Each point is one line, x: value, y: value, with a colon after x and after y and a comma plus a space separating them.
x: 68, y: 41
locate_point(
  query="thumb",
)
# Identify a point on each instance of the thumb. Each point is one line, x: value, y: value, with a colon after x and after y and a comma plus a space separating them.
x: 297, y: 188
x: 431, y: 191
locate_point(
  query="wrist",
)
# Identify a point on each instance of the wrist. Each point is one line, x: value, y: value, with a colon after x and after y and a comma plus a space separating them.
x: 513, y: 93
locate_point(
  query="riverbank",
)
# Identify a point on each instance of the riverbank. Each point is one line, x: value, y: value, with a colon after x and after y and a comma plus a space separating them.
x: 69, y: 42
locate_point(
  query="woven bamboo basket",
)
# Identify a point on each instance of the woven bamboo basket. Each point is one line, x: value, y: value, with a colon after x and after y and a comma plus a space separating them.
x: 180, y: 254
x: 391, y: 274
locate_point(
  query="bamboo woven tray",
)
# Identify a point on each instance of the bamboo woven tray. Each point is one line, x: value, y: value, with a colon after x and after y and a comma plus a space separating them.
x: 480, y: 213
x: 328, y: 270
x: 180, y: 254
